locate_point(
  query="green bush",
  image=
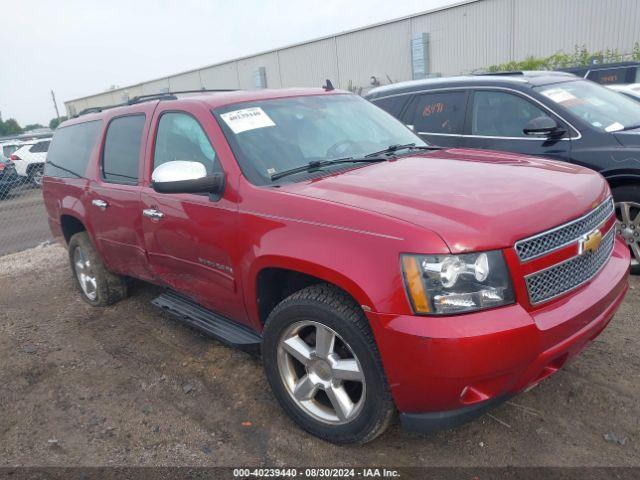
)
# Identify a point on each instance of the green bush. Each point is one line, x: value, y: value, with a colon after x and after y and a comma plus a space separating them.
x: 580, y: 57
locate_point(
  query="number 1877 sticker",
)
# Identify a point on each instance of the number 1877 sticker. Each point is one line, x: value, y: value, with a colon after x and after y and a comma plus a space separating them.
x: 247, y: 119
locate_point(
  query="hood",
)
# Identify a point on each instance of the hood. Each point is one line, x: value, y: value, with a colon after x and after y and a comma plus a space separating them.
x: 629, y: 138
x: 473, y: 199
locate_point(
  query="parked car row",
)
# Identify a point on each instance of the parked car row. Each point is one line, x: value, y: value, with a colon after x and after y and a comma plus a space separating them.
x: 374, y: 271
x: 22, y: 162
x: 551, y: 114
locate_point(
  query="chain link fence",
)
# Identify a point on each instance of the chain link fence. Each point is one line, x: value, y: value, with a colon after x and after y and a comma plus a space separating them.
x: 23, y: 220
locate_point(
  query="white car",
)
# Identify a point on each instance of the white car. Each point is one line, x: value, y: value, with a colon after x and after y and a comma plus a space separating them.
x: 631, y: 90
x: 29, y: 160
x: 9, y: 146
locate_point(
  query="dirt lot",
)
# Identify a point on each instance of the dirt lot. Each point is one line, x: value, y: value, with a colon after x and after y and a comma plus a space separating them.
x: 128, y: 385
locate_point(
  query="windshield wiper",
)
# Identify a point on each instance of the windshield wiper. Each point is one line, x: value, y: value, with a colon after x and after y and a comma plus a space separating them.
x: 318, y: 164
x: 409, y: 146
x: 630, y: 127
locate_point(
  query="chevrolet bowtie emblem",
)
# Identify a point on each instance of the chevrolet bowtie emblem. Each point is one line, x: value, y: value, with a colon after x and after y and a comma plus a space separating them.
x: 590, y: 242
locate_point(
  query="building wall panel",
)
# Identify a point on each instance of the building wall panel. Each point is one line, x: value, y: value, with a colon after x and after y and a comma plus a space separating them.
x: 468, y: 37
x: 379, y: 51
x: 248, y: 66
x: 318, y: 60
x: 185, y: 81
x: 157, y: 86
x: 544, y: 27
x: 220, y: 76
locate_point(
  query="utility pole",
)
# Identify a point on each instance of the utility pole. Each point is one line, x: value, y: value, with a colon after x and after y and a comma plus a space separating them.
x: 55, y: 105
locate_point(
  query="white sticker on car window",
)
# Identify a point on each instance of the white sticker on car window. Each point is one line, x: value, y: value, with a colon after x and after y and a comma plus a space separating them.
x: 614, y: 127
x: 559, y: 95
x: 247, y: 119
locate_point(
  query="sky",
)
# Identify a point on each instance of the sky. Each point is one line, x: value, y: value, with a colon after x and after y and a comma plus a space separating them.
x: 81, y: 47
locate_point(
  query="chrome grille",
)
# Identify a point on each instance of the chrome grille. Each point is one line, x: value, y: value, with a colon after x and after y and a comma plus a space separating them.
x: 564, y: 277
x: 558, y: 237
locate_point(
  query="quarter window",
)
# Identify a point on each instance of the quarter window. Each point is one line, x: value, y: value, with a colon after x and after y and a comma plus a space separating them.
x: 438, y: 112
x: 122, y: 149
x: 392, y: 105
x: 180, y: 137
x: 501, y: 114
x: 40, y: 147
x: 71, y: 149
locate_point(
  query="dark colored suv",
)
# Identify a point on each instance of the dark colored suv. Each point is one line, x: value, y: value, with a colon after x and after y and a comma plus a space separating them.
x: 552, y: 114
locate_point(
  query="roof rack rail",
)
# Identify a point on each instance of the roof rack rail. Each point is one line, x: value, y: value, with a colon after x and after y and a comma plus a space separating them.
x: 149, y: 98
x: 513, y: 72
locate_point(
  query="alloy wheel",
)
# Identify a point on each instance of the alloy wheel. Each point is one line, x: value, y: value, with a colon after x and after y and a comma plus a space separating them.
x: 84, y: 273
x: 37, y: 176
x: 628, y: 226
x: 321, y: 373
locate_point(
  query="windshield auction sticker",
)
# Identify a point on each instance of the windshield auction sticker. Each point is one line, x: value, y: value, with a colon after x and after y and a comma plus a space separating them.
x: 247, y: 119
x: 559, y: 95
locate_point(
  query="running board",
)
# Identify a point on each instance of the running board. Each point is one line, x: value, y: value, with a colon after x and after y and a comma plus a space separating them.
x: 217, y: 326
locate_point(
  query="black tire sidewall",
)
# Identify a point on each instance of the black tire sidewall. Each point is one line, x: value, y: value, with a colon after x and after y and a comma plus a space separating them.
x: 375, y: 407
x: 628, y: 193
x: 110, y: 287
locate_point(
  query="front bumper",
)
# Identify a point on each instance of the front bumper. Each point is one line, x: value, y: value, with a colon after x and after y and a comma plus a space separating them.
x: 444, y: 371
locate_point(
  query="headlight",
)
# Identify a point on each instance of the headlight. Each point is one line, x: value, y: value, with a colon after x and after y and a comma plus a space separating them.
x: 446, y: 284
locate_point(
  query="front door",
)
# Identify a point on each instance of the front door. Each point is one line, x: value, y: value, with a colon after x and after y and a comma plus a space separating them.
x: 496, y: 120
x: 190, y: 238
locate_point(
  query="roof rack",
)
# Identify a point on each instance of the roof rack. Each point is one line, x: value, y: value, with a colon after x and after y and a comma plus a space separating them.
x: 514, y: 72
x: 148, y: 98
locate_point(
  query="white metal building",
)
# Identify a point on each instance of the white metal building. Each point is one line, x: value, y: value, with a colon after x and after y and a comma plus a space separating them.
x: 457, y: 39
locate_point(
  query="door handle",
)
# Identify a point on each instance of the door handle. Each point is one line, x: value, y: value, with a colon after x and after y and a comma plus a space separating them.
x: 101, y: 204
x: 152, y: 213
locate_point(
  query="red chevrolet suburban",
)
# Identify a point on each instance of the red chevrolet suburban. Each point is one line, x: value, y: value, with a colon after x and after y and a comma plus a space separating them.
x: 374, y: 272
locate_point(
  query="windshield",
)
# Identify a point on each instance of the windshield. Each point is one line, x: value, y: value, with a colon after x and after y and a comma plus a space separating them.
x: 602, y: 108
x: 272, y: 136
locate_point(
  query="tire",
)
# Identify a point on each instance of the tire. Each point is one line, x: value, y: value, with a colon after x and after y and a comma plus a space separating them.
x: 106, y: 288
x: 35, y: 175
x: 325, y: 309
x: 629, y: 220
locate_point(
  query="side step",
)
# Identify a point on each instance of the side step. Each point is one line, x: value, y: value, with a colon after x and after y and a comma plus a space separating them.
x: 219, y: 327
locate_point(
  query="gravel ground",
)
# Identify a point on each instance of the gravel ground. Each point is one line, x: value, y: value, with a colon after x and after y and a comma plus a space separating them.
x: 127, y: 385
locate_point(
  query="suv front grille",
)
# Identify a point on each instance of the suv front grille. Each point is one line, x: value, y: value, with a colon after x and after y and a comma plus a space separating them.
x: 563, y: 235
x: 570, y: 274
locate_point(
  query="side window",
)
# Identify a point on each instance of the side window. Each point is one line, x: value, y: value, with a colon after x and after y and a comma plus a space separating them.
x: 39, y: 147
x: 501, y: 114
x: 122, y: 149
x: 438, y: 112
x: 392, y: 105
x: 71, y: 148
x: 180, y: 137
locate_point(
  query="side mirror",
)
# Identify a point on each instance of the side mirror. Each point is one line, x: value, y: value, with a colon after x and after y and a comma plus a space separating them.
x: 181, y: 176
x: 543, y: 126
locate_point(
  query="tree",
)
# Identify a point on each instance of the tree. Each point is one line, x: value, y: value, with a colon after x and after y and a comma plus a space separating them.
x: 53, y: 124
x: 10, y: 127
x: 32, y: 126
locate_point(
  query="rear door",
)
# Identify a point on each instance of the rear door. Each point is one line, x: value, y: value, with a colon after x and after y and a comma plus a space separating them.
x: 190, y: 238
x: 438, y: 116
x: 496, y: 119
x: 114, y: 198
